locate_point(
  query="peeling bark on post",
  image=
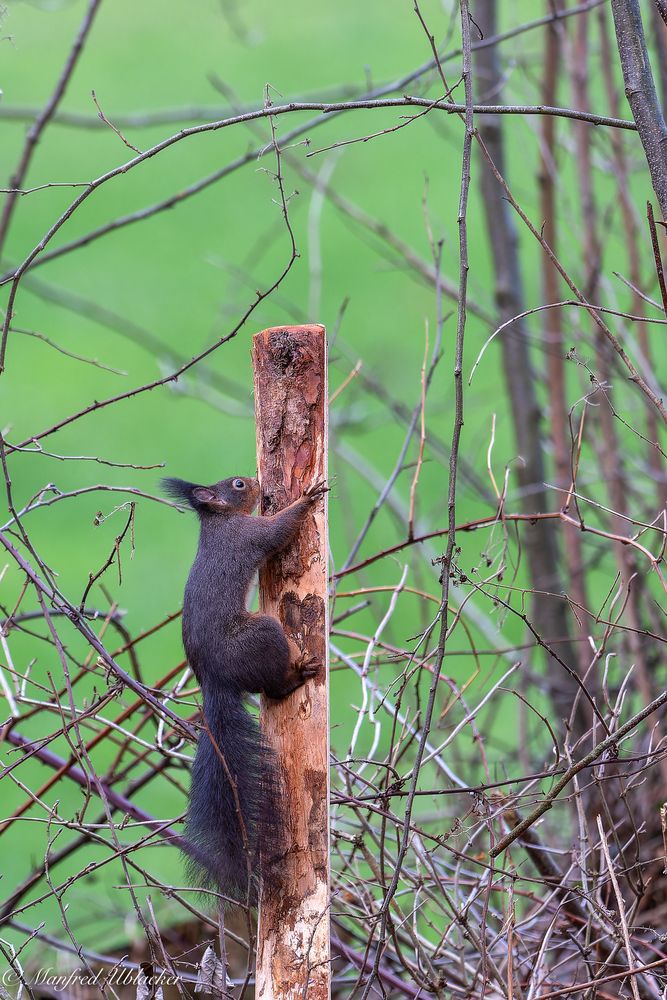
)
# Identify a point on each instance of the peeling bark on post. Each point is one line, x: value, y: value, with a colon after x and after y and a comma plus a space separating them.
x: 290, y: 408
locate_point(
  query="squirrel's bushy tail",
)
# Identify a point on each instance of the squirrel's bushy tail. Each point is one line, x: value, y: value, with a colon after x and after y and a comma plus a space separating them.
x: 234, y: 805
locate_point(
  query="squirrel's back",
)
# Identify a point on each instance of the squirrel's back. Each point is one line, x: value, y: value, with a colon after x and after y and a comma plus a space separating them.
x: 215, y: 595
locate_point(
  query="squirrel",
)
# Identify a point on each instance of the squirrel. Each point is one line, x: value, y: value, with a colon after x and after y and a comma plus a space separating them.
x: 234, y: 814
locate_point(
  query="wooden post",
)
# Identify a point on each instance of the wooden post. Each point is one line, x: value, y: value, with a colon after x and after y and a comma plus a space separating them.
x: 293, y: 958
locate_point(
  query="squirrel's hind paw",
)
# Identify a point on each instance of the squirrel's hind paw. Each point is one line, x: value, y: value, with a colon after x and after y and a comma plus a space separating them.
x: 309, y: 666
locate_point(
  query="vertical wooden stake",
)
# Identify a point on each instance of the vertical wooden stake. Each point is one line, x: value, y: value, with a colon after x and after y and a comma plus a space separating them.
x: 291, y: 414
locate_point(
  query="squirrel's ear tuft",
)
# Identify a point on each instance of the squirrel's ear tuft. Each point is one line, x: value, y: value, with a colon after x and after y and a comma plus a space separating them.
x: 181, y: 490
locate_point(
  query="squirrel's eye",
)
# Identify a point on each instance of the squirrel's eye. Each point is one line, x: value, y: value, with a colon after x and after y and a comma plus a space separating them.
x: 238, y: 484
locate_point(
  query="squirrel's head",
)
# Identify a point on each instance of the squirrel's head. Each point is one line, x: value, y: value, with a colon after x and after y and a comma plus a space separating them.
x: 239, y: 494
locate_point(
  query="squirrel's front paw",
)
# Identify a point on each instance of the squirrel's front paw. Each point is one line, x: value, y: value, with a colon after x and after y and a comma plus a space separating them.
x: 316, y: 490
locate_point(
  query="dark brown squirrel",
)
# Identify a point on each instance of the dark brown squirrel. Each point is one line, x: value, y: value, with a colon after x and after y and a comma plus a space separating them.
x: 234, y: 805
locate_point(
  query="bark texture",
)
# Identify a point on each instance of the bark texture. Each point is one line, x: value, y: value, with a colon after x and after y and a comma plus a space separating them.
x: 290, y: 407
x: 641, y: 94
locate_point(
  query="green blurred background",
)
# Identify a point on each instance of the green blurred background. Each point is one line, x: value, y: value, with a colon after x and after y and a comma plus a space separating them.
x: 185, y: 277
